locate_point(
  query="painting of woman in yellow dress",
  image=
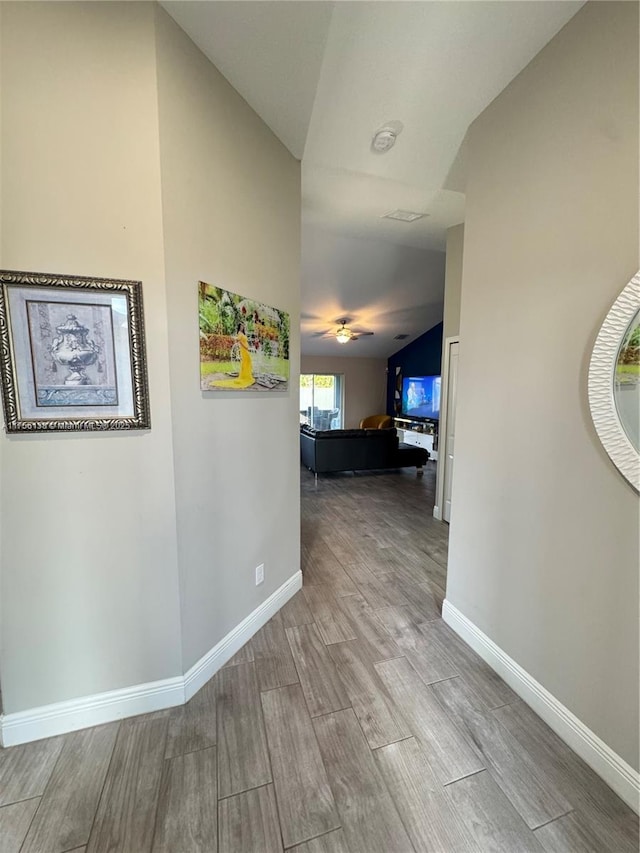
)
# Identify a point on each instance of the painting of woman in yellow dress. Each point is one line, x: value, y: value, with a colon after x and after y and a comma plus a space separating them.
x: 245, y: 378
x: 244, y: 344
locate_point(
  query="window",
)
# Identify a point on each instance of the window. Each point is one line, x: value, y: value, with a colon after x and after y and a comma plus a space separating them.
x: 321, y: 400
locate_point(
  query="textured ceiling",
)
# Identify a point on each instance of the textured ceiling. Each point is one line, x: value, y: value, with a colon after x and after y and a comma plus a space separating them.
x: 270, y: 52
x: 324, y: 77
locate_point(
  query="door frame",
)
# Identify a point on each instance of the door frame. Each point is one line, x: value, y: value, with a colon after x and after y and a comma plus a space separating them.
x: 442, y: 426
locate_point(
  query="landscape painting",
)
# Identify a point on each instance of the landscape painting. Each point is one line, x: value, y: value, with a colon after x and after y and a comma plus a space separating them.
x: 244, y: 344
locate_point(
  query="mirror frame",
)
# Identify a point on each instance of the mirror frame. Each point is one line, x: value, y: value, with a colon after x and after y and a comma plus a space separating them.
x: 602, y: 369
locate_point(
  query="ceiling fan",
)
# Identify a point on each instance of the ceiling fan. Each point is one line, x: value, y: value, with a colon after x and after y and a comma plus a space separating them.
x: 344, y: 333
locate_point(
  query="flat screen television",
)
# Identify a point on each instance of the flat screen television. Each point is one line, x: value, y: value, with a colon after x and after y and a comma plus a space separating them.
x: 421, y: 397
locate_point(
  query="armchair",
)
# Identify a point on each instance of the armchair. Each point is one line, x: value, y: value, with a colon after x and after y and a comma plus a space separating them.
x: 376, y: 422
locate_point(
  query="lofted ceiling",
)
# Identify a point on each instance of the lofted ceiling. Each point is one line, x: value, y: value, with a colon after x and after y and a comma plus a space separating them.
x: 368, y: 303
x: 324, y: 77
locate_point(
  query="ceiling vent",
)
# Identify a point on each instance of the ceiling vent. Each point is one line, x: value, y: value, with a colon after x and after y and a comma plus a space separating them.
x: 400, y: 337
x: 404, y: 215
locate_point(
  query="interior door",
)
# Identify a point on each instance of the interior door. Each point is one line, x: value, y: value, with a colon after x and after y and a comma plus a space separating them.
x: 452, y: 393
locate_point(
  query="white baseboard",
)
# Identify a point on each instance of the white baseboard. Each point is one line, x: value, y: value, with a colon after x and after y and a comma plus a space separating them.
x: 215, y: 658
x: 437, y: 513
x: 69, y: 716
x: 62, y: 717
x: 615, y: 771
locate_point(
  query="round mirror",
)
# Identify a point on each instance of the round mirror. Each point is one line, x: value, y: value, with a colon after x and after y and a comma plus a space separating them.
x: 626, y: 384
x: 614, y: 382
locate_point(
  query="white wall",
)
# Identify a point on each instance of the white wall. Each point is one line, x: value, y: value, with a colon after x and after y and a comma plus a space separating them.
x: 365, y: 383
x: 231, y: 198
x: 543, y: 550
x: 124, y: 150
x: 88, y: 531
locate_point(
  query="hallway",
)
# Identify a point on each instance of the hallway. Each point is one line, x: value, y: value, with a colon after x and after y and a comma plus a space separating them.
x: 355, y: 721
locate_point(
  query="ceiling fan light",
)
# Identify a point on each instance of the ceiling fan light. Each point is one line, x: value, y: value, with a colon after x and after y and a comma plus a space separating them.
x: 343, y: 335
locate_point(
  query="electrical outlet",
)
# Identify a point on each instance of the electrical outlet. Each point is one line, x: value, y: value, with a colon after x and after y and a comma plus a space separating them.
x: 260, y: 574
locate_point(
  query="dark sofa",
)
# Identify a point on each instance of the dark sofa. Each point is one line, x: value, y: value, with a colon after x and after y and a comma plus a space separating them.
x: 326, y: 451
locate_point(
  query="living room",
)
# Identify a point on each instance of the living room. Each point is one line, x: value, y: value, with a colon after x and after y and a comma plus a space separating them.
x: 336, y: 392
x: 128, y: 560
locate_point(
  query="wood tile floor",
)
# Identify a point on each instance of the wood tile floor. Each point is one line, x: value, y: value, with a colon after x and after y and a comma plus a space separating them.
x: 355, y: 721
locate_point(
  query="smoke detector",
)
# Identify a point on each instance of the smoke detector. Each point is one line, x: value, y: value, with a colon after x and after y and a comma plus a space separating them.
x: 385, y: 137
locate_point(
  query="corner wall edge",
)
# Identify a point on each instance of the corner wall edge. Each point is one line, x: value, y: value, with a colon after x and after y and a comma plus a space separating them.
x: 86, y: 711
x: 611, y: 767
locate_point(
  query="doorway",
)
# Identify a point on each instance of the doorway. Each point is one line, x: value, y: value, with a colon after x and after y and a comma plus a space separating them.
x: 442, y: 509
